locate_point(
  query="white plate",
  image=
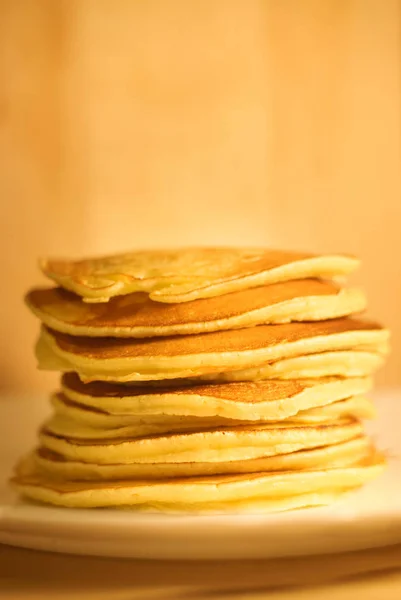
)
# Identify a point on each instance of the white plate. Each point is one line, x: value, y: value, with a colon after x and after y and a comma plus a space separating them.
x: 367, y: 519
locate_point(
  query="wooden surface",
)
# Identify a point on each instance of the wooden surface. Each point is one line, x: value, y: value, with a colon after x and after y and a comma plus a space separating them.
x: 165, y: 122
x: 30, y: 575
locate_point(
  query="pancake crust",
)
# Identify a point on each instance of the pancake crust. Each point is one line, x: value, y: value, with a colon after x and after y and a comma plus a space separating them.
x: 214, y: 445
x: 188, y: 356
x: 269, y: 491
x: 181, y: 275
x: 336, y: 455
x: 357, y: 407
x: 270, y: 400
x: 136, y: 316
x: 240, y: 391
x: 223, y: 341
x: 76, y: 421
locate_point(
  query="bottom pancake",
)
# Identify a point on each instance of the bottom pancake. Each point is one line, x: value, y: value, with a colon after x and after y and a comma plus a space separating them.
x: 260, y: 492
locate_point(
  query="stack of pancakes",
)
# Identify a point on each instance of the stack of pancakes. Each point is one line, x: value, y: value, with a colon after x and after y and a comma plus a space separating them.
x: 204, y: 379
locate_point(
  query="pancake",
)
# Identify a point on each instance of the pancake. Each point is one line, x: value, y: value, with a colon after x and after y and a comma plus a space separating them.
x: 242, y: 492
x: 357, y: 407
x: 342, y: 363
x: 182, y: 275
x: 261, y: 400
x: 217, y: 445
x: 33, y: 490
x: 111, y: 359
x: 336, y: 455
x: 136, y: 316
x: 205, y: 380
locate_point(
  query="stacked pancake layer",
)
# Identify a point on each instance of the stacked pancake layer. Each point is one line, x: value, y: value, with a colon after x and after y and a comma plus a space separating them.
x: 204, y: 380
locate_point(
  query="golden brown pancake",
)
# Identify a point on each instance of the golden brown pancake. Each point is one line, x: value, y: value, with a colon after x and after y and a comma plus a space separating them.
x: 211, y: 445
x: 242, y: 492
x: 181, y: 275
x: 269, y: 400
x: 358, y: 407
x: 136, y: 316
x: 333, y: 456
x: 184, y: 356
x: 219, y: 342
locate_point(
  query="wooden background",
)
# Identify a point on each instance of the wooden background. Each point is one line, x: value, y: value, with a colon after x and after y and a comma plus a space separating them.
x: 132, y: 123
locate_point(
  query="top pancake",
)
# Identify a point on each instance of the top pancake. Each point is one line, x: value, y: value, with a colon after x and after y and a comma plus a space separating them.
x: 181, y: 275
x: 136, y: 315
